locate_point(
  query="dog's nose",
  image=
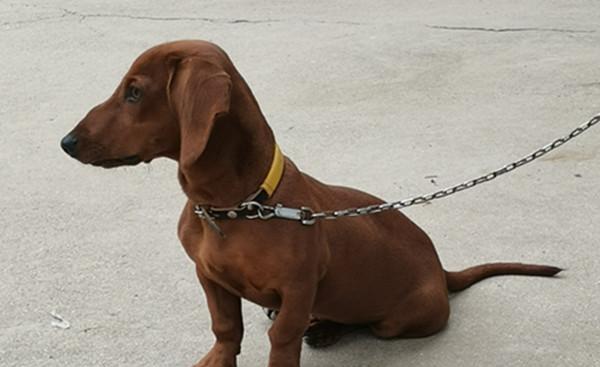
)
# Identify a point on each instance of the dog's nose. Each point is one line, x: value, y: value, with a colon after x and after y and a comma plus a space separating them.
x: 69, y: 144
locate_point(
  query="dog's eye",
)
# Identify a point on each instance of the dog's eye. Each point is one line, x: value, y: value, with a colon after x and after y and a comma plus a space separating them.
x: 133, y: 94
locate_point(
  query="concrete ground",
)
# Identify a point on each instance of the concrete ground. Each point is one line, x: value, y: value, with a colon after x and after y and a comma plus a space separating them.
x: 395, y: 97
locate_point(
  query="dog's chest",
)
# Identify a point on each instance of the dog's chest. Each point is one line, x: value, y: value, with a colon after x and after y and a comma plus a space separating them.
x: 239, y: 269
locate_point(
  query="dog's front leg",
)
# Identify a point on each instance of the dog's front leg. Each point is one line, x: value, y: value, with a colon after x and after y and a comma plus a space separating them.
x: 226, y: 317
x: 289, y: 326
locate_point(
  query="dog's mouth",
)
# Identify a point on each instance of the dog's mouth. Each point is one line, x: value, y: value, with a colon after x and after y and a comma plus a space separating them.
x: 117, y: 162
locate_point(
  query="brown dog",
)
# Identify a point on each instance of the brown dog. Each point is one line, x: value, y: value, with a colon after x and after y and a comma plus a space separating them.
x: 186, y: 101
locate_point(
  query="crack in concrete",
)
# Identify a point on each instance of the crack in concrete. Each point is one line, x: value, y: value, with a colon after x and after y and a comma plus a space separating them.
x: 83, y: 16
x: 36, y: 20
x: 506, y: 30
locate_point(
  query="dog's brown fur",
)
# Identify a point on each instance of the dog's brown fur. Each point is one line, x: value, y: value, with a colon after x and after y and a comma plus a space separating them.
x: 380, y: 270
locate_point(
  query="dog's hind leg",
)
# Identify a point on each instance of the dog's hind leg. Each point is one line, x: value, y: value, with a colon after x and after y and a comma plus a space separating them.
x: 422, y: 313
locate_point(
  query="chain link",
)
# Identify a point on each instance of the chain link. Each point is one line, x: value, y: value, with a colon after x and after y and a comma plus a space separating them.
x: 422, y: 199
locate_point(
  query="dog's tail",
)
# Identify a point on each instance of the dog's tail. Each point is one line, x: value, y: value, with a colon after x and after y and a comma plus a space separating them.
x: 459, y: 280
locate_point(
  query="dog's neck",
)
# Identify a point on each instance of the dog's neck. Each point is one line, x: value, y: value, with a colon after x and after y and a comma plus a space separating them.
x: 237, y: 157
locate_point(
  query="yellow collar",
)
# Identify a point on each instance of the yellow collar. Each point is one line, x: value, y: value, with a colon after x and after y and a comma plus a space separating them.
x: 275, y: 173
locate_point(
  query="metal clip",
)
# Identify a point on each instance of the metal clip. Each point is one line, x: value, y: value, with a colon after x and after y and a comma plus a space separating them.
x: 303, y: 215
x: 263, y: 212
x: 307, y: 216
x: 287, y: 213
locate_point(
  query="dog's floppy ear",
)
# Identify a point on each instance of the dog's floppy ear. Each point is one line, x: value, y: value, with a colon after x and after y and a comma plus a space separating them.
x: 198, y: 92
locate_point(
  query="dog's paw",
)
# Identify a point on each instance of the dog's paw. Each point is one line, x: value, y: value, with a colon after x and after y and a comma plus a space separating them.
x: 217, y: 358
x: 323, y: 333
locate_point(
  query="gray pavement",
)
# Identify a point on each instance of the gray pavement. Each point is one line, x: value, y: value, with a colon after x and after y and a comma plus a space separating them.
x: 393, y: 97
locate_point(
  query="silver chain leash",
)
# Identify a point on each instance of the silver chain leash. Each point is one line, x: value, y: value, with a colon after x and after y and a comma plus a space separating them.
x: 417, y: 200
x: 307, y: 216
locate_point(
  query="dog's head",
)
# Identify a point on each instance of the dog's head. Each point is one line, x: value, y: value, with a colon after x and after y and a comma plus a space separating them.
x: 165, y: 106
